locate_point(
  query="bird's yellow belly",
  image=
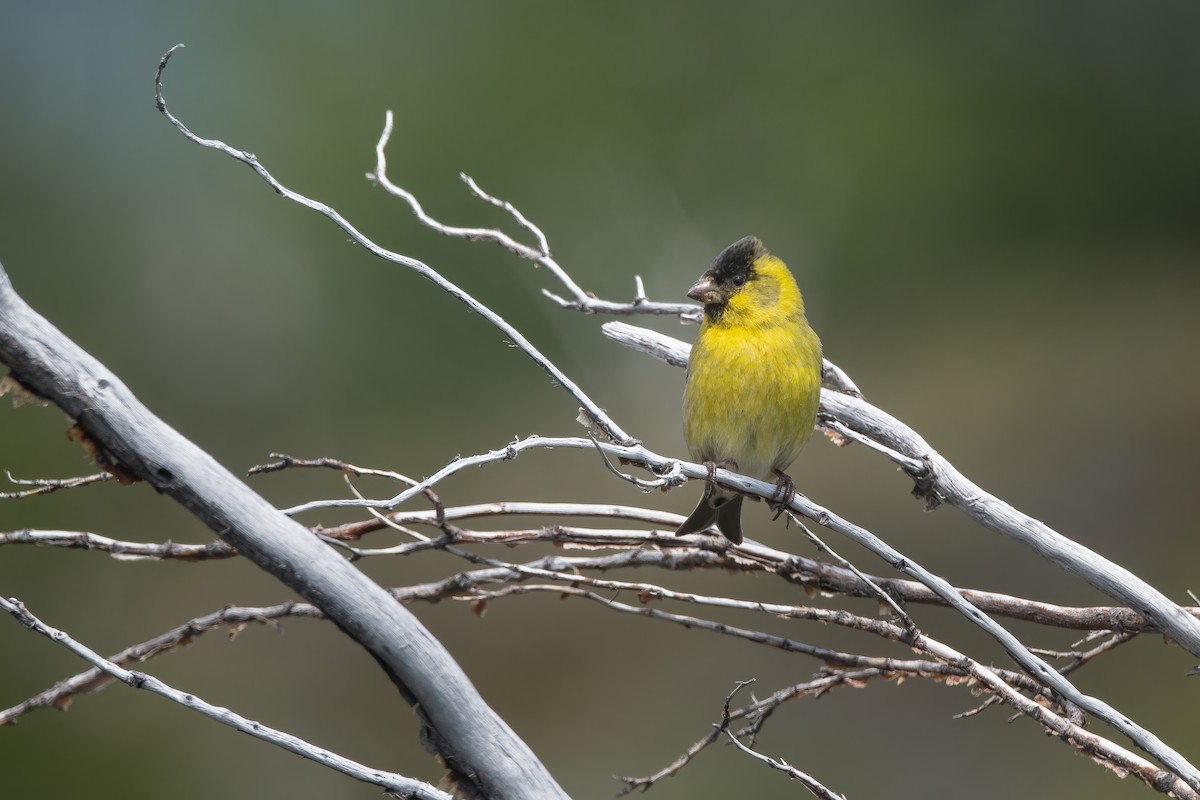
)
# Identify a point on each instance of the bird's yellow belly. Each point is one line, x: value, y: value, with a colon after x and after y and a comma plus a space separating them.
x: 752, y: 399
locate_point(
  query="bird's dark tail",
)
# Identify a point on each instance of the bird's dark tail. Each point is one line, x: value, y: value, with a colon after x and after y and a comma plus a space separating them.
x: 725, y: 511
x: 729, y: 519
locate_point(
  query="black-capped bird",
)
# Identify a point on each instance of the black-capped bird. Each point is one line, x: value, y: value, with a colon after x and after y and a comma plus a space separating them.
x: 753, y: 379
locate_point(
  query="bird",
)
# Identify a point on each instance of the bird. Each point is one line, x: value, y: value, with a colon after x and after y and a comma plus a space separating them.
x: 753, y: 380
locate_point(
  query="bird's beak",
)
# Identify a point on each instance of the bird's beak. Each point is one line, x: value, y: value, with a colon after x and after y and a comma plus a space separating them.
x: 706, y: 291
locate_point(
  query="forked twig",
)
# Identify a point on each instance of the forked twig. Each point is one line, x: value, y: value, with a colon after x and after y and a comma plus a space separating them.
x: 390, y: 782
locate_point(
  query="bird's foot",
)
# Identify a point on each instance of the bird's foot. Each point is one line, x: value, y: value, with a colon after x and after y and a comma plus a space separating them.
x: 710, y: 483
x: 785, y: 490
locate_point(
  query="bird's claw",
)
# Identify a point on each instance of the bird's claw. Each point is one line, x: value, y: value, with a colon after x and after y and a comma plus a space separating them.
x: 785, y: 491
x: 712, y: 467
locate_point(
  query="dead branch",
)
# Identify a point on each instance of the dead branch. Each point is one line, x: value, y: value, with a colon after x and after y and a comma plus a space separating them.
x: 392, y: 783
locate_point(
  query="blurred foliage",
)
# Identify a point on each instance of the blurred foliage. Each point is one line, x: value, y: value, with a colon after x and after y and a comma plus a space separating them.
x: 991, y: 207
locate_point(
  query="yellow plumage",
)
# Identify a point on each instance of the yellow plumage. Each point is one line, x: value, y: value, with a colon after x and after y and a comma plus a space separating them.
x: 754, y: 377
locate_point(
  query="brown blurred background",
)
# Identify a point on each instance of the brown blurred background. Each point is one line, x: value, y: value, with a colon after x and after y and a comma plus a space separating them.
x: 992, y: 211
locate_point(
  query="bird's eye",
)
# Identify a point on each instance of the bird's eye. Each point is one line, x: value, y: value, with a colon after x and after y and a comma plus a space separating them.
x: 739, y: 280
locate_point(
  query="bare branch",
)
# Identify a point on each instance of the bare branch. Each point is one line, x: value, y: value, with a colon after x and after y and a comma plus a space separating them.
x: 49, y: 485
x: 709, y: 553
x: 885, y: 598
x: 122, y: 551
x: 285, y: 462
x: 467, y: 586
x: 380, y: 176
x: 1032, y: 663
x: 610, y: 427
x: 639, y: 455
x: 1101, y: 750
x: 399, y: 785
x: 234, y: 618
x: 808, y: 781
x: 540, y: 255
x: 758, y: 710
x: 569, y: 569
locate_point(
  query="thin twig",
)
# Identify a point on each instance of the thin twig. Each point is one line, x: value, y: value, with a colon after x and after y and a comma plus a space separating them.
x: 809, y: 782
x: 464, y: 585
x: 815, y: 687
x: 641, y: 456
x: 539, y: 256
x: 390, y: 782
x: 814, y: 574
x: 285, y: 462
x: 233, y: 618
x: 49, y: 485
x: 680, y: 556
x: 122, y: 551
x: 597, y: 414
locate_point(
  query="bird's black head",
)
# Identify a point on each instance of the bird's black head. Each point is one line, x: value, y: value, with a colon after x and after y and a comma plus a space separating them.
x: 736, y: 262
x: 730, y: 271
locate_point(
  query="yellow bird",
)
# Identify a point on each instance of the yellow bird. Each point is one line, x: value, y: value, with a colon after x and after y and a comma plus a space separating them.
x: 753, y: 379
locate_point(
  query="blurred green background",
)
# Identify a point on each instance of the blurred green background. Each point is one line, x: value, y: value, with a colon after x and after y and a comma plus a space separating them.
x: 992, y: 209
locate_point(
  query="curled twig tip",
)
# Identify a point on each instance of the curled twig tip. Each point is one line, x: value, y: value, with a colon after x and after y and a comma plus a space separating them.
x: 162, y: 65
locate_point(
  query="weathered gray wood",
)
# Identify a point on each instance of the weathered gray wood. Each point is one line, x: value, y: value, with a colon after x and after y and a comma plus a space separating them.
x: 489, y: 759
